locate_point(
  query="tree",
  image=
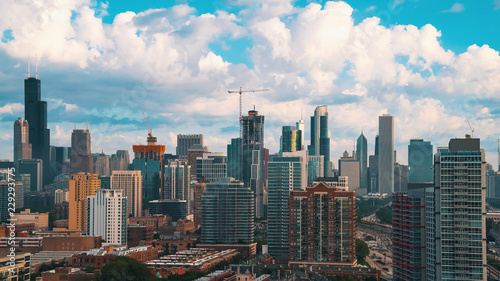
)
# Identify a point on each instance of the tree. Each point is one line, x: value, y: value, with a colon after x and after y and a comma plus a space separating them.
x: 362, y: 250
x: 125, y: 268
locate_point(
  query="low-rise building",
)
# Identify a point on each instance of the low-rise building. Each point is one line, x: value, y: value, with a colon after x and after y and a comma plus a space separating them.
x: 41, y: 221
x: 20, y: 227
x: 174, y: 244
x: 71, y: 242
x: 247, y: 250
x: 139, y: 234
x: 197, y: 259
x: 98, y: 258
x: 69, y: 274
x: 157, y: 221
x: 20, y: 270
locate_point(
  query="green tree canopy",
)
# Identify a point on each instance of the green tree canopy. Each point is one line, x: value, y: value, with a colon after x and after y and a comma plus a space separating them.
x: 362, y: 250
x: 124, y: 269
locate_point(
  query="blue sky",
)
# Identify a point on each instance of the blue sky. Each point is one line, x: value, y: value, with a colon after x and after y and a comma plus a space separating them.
x: 431, y: 64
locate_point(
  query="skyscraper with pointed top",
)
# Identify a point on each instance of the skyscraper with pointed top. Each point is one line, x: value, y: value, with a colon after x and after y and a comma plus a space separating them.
x: 362, y: 157
x: 35, y: 113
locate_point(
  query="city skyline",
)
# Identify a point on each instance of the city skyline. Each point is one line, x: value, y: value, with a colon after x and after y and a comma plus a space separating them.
x: 429, y: 92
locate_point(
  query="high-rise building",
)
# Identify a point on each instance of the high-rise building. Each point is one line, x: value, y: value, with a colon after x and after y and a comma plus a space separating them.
x: 362, y: 157
x: 315, y: 168
x: 227, y: 213
x: 61, y: 196
x: 177, y: 179
x: 81, y: 158
x: 420, y: 161
x: 81, y: 186
x: 185, y: 142
x: 286, y: 173
x: 291, y: 139
x: 107, y: 216
x: 131, y: 184
x: 101, y: 164
x: 322, y: 226
x: 149, y: 160
x: 386, y: 154
x: 177, y: 209
x: 22, y: 146
x: 195, y: 151
x: 58, y: 157
x: 211, y: 166
x: 373, y: 174
x: 199, y: 188
x: 455, y: 214
x: 35, y: 113
x: 350, y: 168
x: 119, y: 161
x: 408, y: 235
x: 252, y: 161
x: 34, y: 168
x: 234, y: 159
x: 320, y: 141
x: 400, y: 177
x: 301, y: 126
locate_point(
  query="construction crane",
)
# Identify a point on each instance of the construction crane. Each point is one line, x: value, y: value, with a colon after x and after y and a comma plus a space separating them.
x: 240, y: 91
x: 471, y: 129
x: 150, y: 132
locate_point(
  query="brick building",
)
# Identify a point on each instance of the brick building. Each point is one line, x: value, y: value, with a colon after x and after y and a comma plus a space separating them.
x: 157, y: 221
x: 71, y: 242
x: 98, y: 258
x: 137, y: 233
x: 322, y: 226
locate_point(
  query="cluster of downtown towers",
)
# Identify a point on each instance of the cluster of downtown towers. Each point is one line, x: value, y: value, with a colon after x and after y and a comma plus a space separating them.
x: 439, y: 200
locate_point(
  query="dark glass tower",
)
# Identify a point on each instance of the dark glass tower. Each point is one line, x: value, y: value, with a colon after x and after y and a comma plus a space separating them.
x: 35, y: 112
x: 252, y: 162
x: 320, y: 142
x: 362, y: 157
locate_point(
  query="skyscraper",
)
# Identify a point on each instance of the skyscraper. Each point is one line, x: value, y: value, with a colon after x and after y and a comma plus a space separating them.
x: 320, y: 142
x: 211, y: 166
x: 107, y: 216
x: 322, y: 226
x: 350, y: 167
x: 22, y: 146
x: 253, y: 167
x: 184, y: 142
x: 58, y: 156
x: 386, y: 154
x: 291, y: 139
x: 101, y: 164
x: 420, y: 161
x: 315, y: 168
x: 286, y: 173
x: 81, y: 158
x: 81, y: 186
x: 149, y: 159
x: 455, y: 214
x: 362, y: 157
x: 131, y: 184
x: 195, y: 151
x: 177, y: 180
x: 119, y: 161
x: 408, y: 235
x: 35, y: 113
x: 227, y: 213
x: 34, y: 168
x: 400, y: 178
x: 300, y: 125
x: 234, y: 159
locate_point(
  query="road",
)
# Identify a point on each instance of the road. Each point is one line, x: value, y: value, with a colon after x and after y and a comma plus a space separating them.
x: 381, y: 255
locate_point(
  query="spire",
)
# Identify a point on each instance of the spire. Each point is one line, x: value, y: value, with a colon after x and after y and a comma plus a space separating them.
x: 28, y: 72
x: 36, y: 68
